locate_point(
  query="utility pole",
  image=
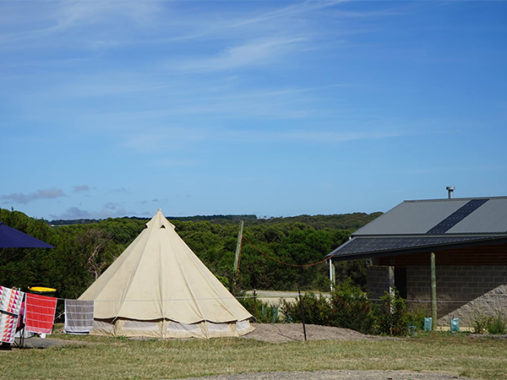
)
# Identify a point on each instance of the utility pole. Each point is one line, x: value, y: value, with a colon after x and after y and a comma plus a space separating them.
x: 238, y: 251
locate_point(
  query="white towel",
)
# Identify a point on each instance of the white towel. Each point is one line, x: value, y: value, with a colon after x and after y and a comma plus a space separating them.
x: 78, y: 316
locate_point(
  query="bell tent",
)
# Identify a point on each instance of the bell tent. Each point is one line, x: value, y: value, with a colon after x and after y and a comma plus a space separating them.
x: 159, y: 288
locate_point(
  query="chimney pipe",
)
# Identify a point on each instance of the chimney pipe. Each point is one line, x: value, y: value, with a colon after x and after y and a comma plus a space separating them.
x: 450, y: 191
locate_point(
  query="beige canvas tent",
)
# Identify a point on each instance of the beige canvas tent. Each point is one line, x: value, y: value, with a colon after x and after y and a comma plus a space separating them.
x: 158, y: 287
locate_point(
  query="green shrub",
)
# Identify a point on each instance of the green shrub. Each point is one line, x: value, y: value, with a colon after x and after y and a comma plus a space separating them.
x: 493, y: 325
x: 261, y: 311
x: 479, y: 324
x: 391, y: 315
x: 348, y: 307
x: 351, y: 308
x: 496, y: 325
x: 415, y: 319
x: 316, y: 310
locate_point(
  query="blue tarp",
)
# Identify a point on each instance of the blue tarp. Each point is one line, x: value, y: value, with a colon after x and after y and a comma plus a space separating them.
x: 12, y: 238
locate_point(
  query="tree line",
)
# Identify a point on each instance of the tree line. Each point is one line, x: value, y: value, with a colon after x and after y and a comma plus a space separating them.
x: 84, y: 250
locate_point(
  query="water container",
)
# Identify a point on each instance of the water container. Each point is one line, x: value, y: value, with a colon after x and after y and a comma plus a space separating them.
x: 428, y: 322
x: 454, y: 324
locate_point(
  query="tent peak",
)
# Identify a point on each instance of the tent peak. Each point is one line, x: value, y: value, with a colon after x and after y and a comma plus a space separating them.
x: 159, y: 221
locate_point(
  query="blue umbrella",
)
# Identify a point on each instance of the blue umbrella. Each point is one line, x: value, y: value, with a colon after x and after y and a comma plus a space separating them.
x: 12, y: 238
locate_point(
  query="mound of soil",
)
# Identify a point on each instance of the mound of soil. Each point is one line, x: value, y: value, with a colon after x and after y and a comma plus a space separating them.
x: 288, y: 332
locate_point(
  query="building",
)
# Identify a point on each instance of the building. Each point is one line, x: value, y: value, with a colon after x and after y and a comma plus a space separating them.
x: 460, y: 241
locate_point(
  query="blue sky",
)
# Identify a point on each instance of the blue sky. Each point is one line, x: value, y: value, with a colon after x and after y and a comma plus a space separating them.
x: 276, y: 108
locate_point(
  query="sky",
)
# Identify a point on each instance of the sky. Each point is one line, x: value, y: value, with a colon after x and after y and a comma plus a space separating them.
x: 274, y: 108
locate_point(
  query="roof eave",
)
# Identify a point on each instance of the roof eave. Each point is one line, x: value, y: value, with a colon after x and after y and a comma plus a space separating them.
x: 403, y: 251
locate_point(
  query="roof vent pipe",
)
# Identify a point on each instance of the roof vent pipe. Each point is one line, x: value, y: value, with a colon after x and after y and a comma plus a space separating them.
x: 450, y: 191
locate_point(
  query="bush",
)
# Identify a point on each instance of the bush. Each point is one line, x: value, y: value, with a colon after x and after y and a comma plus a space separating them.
x: 479, y: 324
x: 496, y: 325
x: 391, y: 314
x: 261, y: 311
x: 348, y: 307
x: 351, y: 308
x: 493, y: 325
x: 316, y: 310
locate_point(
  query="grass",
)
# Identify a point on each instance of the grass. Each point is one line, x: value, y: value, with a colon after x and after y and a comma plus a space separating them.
x: 456, y: 354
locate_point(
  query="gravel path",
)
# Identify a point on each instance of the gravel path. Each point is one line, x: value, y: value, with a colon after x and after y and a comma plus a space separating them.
x: 36, y: 342
x: 338, y: 374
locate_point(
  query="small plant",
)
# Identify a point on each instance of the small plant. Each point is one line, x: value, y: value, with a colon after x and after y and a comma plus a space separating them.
x: 491, y: 324
x: 392, y: 316
x: 351, y: 308
x: 479, y: 324
x: 261, y: 311
x: 496, y: 325
x: 316, y: 310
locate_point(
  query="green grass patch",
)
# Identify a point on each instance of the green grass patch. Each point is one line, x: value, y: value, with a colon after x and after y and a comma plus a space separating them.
x: 124, y: 358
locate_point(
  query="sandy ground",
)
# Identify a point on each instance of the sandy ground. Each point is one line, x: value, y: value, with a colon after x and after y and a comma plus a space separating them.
x: 290, y: 332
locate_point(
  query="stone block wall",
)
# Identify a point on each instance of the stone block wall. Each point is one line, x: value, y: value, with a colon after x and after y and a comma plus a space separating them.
x: 465, y: 292
x: 377, y: 281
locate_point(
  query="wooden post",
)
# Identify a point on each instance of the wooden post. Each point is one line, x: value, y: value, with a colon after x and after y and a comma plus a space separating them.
x: 433, y: 292
x: 302, y: 309
x: 236, y: 256
x: 332, y: 278
x: 391, y: 287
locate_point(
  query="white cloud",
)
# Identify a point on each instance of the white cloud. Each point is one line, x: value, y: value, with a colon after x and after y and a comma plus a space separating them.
x: 78, y: 12
x: 24, y: 198
x: 81, y: 188
x: 163, y: 140
x: 252, y: 53
x: 109, y: 210
x: 288, y: 12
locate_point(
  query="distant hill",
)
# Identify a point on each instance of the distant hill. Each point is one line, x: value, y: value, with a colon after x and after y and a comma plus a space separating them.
x: 84, y: 248
x: 351, y: 221
x: 220, y: 219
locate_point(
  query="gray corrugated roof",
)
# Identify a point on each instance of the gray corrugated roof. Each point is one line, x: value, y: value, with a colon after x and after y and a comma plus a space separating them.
x: 419, y: 217
x: 411, y: 217
x: 415, y: 225
x: 491, y: 217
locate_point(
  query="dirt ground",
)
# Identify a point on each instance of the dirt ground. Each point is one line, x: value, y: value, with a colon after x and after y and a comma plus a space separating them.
x: 265, y: 332
x: 289, y: 332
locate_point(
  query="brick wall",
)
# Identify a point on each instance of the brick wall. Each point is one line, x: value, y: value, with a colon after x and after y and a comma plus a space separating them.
x: 377, y: 281
x: 462, y: 291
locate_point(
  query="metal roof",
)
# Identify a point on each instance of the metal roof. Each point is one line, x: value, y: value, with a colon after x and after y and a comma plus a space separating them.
x: 419, y: 225
x: 419, y: 217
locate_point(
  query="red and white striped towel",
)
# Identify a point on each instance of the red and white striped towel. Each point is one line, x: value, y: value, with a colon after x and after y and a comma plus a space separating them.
x: 39, y: 313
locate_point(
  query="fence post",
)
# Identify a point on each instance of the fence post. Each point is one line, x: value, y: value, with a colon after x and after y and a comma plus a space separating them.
x: 238, y: 252
x: 433, y: 291
x: 302, y: 312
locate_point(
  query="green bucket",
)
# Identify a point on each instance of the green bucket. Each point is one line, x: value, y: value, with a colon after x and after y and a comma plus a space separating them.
x: 428, y: 323
x: 454, y: 324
